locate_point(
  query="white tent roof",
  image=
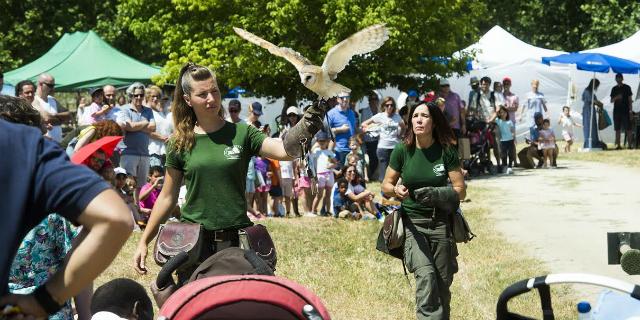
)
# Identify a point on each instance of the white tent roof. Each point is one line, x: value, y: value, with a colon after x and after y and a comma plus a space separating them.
x: 499, y: 47
x: 628, y: 48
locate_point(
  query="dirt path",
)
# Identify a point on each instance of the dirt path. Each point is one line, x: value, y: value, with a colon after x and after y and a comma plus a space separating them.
x: 562, y: 216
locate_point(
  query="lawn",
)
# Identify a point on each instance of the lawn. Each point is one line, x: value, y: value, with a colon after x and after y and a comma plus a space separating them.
x: 626, y: 157
x: 337, y: 260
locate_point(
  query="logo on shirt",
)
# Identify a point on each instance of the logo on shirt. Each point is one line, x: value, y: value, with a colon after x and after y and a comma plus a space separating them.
x: 438, y: 169
x: 233, y: 152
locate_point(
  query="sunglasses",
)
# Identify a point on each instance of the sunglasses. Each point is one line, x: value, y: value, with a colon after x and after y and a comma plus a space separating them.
x: 389, y: 105
x: 50, y: 85
x: 233, y: 111
x: 139, y: 95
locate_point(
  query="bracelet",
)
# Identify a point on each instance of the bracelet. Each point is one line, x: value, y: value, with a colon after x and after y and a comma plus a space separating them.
x: 45, y: 300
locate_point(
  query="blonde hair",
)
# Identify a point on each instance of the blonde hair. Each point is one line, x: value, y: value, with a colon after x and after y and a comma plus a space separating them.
x: 151, y: 90
x: 184, y: 118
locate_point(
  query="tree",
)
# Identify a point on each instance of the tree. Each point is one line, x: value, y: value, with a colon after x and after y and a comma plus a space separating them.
x: 611, y: 21
x: 201, y: 31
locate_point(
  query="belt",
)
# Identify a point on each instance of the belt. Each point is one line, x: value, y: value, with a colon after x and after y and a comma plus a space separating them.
x: 222, y: 235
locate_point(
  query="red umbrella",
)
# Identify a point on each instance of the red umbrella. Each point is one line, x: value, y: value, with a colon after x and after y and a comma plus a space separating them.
x: 106, y: 144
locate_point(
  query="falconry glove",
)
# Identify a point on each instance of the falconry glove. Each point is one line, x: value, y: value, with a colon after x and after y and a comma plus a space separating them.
x: 300, y: 136
x: 444, y: 198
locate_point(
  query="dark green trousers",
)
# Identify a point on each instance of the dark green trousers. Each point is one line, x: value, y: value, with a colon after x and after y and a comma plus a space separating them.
x: 430, y: 254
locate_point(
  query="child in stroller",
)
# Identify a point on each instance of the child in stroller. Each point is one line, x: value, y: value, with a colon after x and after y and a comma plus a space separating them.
x: 481, y: 140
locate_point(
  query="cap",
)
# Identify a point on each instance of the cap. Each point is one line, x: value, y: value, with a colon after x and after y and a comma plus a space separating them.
x: 444, y: 82
x: 506, y: 79
x: 537, y: 115
x: 256, y: 108
x: 412, y: 93
x: 322, y: 136
x: 474, y: 80
x: 293, y: 110
x: 93, y: 91
x: 120, y: 170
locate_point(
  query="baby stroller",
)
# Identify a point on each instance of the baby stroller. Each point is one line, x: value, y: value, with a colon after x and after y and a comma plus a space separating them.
x: 480, y: 141
x: 610, y: 305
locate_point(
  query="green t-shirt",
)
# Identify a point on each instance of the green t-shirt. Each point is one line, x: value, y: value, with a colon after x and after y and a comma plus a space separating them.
x: 422, y: 168
x: 215, y: 173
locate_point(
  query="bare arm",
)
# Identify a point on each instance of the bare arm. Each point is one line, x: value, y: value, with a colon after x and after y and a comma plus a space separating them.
x: 84, y: 140
x: 274, y: 149
x: 457, y: 182
x: 391, y: 186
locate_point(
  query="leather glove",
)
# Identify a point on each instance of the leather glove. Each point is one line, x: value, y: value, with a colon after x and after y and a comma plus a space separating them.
x: 306, y: 128
x: 444, y: 198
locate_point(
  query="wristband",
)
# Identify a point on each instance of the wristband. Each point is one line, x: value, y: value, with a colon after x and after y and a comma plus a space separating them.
x: 45, y: 300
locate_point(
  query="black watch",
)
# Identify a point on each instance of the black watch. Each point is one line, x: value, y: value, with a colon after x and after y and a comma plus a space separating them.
x: 45, y: 300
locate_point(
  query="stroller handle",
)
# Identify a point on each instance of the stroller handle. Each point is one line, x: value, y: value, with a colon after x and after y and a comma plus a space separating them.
x: 542, y: 284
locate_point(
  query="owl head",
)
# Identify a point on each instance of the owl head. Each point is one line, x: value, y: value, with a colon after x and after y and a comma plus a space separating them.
x: 307, y: 78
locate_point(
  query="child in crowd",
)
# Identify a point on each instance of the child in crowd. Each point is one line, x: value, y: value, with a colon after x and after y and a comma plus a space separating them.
x: 343, y: 207
x: 357, y: 157
x: 276, y: 190
x: 149, y: 193
x: 547, y: 142
x: 252, y: 182
x: 302, y: 185
x: 325, y: 161
x: 286, y: 184
x: 567, y: 123
x: 121, y: 298
x: 507, y: 133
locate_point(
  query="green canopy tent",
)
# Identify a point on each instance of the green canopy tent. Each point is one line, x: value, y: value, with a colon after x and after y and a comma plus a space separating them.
x: 83, y: 60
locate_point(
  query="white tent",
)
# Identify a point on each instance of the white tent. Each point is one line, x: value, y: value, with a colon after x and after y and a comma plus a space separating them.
x: 627, y: 49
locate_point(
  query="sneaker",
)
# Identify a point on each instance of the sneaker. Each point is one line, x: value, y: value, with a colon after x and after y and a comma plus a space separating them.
x: 310, y: 215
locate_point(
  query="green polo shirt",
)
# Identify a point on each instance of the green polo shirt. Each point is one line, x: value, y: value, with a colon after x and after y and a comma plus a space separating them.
x: 215, y: 172
x: 423, y: 168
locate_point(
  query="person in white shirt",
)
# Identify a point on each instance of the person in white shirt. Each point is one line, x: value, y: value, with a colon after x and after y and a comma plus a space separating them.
x: 53, y: 114
x: 164, y: 127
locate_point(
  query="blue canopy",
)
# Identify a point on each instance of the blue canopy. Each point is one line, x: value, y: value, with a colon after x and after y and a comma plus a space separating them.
x: 595, y: 62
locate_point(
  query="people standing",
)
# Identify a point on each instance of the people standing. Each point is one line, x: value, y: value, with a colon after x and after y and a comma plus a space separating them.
x: 27, y: 90
x: 535, y: 103
x: 589, y: 119
x: 255, y: 111
x: 234, y: 109
x: 94, y: 112
x: 475, y: 89
x: 621, y: 97
x: 453, y: 107
x: 371, y: 138
x: 483, y: 108
x: 342, y: 121
x: 511, y: 102
x: 164, y: 127
x: 138, y: 122
x: 427, y: 158
x: 390, y: 127
x: 53, y: 114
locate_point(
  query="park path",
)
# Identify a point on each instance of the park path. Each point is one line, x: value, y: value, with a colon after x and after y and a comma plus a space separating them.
x: 562, y: 216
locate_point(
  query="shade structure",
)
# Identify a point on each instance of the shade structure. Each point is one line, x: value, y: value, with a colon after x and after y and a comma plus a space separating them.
x: 595, y: 62
x: 83, y: 60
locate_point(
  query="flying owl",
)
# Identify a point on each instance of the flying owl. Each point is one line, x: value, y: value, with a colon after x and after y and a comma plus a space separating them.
x: 320, y: 79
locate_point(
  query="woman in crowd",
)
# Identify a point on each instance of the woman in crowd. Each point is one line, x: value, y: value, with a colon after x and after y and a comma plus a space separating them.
x: 357, y: 193
x: 164, y: 126
x: 425, y: 160
x: 212, y: 156
x: 390, y: 125
x: 589, y: 119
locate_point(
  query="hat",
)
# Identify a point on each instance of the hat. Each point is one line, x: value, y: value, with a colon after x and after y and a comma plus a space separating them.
x: 412, y: 93
x: 256, y: 108
x: 506, y: 79
x: 537, y: 115
x: 293, y: 110
x: 93, y: 91
x: 444, y: 82
x: 322, y: 136
x: 473, y: 80
x: 120, y: 170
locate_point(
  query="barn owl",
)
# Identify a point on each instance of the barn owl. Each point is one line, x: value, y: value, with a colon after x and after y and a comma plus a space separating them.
x: 319, y: 79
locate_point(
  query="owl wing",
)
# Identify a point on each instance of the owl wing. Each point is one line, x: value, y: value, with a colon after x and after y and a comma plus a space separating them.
x: 291, y: 55
x: 363, y: 41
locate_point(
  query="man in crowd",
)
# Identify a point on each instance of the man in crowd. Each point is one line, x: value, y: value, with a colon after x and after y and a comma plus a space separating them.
x: 26, y: 89
x: 53, y: 114
x: 475, y: 89
x: 255, y: 111
x: 342, y: 121
x: 138, y: 122
x: 511, y: 102
x: 483, y: 107
x: 536, y: 103
x: 621, y: 97
x: 42, y: 181
x: 234, y: 109
x: 370, y: 138
x: 109, y: 103
x: 453, y: 108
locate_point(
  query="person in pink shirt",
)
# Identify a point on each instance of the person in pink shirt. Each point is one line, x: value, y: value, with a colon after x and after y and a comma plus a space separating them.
x: 150, y: 192
x: 512, y: 103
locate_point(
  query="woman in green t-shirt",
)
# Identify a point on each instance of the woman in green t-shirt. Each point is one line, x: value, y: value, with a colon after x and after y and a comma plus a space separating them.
x: 418, y: 172
x: 212, y: 157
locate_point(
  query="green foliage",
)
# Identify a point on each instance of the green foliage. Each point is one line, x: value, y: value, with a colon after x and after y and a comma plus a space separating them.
x: 611, y: 21
x: 201, y: 31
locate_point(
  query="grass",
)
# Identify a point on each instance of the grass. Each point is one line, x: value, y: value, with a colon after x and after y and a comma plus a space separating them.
x: 627, y: 157
x: 338, y: 261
